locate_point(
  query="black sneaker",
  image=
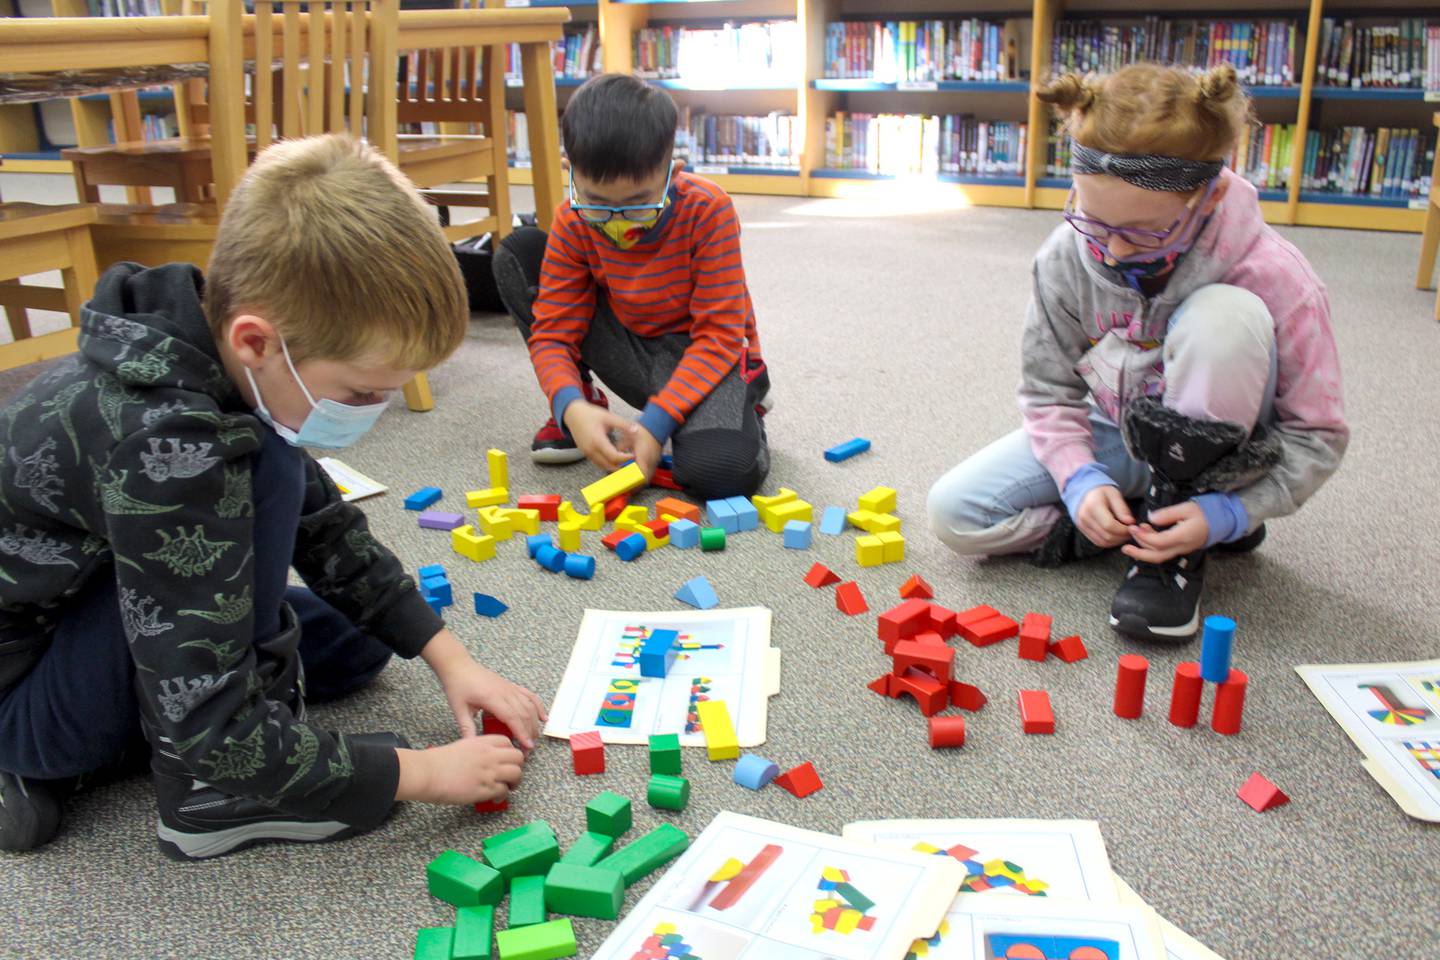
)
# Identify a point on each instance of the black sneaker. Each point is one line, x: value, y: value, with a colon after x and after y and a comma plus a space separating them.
x: 29, y: 811
x: 1245, y: 544
x: 198, y: 822
x: 1161, y: 602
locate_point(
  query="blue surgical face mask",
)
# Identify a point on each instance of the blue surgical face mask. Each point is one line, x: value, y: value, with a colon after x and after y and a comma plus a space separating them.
x: 330, y: 425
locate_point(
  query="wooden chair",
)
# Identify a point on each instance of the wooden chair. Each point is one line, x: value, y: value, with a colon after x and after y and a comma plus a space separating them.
x: 1430, y: 240
x: 33, y: 239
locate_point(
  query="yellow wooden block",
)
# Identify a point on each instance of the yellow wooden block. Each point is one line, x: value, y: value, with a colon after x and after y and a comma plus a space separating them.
x: 869, y: 550
x: 878, y: 500
x: 763, y: 505
x: 466, y: 542
x: 499, y: 468
x: 570, y: 537
x: 622, y: 481
x: 894, y: 545
x: 848, y: 921
x: 873, y: 522
x: 489, y: 497
x: 729, y: 870
x: 495, y: 521
x: 524, y: 521
x: 718, y: 730
x: 631, y: 517
x: 594, y: 520
x: 785, y: 512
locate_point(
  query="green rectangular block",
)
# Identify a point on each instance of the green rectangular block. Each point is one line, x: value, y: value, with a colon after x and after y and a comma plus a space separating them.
x: 531, y: 854
x: 665, y: 753
x: 588, y: 848
x: 474, y: 933
x: 583, y: 891
x: 645, y: 855
x: 462, y: 881
x: 551, y: 940
x: 609, y: 813
x: 854, y: 897
x: 535, y: 828
x: 527, y: 900
x: 433, y: 943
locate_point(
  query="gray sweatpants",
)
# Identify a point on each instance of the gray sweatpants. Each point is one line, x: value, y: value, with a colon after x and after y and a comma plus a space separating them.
x: 720, y: 450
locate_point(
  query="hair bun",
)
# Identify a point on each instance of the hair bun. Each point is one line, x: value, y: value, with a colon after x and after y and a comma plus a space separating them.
x: 1219, y: 84
x: 1068, y: 92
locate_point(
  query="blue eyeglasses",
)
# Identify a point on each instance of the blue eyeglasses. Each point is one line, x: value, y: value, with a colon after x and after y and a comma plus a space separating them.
x: 641, y: 213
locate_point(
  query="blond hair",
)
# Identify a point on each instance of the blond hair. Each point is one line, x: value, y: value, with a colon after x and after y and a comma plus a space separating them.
x: 1149, y: 109
x: 337, y: 249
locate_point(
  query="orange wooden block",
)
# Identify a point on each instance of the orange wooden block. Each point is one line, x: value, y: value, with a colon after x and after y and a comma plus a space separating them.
x: 917, y: 587
x: 677, y: 509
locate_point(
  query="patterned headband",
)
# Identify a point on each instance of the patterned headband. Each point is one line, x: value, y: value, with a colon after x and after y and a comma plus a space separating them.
x: 1170, y: 174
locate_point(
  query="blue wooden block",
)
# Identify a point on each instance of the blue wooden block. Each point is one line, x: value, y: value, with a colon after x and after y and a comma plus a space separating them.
x: 423, y: 498
x: 428, y: 571
x: 797, y: 534
x: 722, y: 515
x: 746, y: 516
x: 684, y: 534
x: 488, y: 606
x: 832, y: 523
x: 534, y: 542
x: 698, y: 593
x: 631, y: 547
x: 436, y: 605
x: 579, y: 566
x: 437, y: 588
x: 1215, y: 646
x: 846, y: 450
x: 551, y: 558
x: 754, y: 772
x: 657, y: 653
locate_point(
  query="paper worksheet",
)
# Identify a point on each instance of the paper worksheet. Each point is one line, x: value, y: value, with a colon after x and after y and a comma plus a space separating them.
x: 1392, y: 713
x: 752, y: 889
x: 1179, y: 945
x: 353, y: 484
x: 721, y: 655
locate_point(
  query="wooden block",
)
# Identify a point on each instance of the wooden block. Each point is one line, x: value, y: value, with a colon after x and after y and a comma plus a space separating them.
x: 1261, y: 795
x: 849, y: 600
x: 990, y: 631
x: 471, y: 545
x: 878, y: 500
x: 821, y: 576
x: 1071, y: 649
x: 1034, y: 637
x: 491, y: 497
x: 917, y: 588
x: 894, y: 545
x: 499, y: 467
x: 719, y: 732
x: 547, y: 505
x: 967, y: 696
x: 587, y: 753
x: 627, y: 478
x: 932, y: 659
x: 869, y: 551
x: 676, y: 509
x: 1036, y: 715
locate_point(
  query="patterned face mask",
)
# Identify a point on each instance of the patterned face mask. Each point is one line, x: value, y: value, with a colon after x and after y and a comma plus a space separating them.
x: 1133, y: 272
x: 627, y: 233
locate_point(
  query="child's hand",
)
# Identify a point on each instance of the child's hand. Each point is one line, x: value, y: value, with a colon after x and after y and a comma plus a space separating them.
x: 1188, y: 531
x: 646, y: 450
x: 470, y: 770
x: 590, y: 426
x: 1104, y: 517
x: 472, y: 688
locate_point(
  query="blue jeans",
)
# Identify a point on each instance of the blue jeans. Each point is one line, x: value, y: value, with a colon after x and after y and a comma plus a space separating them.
x: 76, y: 710
x: 1220, y: 364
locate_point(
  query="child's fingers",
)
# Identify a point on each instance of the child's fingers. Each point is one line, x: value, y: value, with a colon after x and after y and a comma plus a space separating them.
x: 1118, y: 507
x: 1142, y: 555
x: 539, y: 705
x: 464, y: 719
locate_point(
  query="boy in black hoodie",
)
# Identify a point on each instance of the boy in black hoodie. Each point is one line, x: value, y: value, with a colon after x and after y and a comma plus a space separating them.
x: 154, y: 496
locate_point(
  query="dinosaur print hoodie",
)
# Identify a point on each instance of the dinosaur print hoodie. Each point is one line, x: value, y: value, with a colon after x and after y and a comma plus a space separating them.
x: 132, y: 459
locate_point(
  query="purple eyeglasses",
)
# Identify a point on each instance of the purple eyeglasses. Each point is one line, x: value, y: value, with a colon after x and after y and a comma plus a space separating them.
x: 1150, y: 242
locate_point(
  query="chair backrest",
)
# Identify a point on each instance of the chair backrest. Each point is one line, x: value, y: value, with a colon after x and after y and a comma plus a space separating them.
x: 452, y: 84
x: 314, y: 65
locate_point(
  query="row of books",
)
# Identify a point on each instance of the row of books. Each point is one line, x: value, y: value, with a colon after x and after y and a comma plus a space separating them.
x: 124, y: 8
x: 911, y: 51
x: 1387, y: 162
x: 905, y: 144
x: 751, y: 53
x: 517, y: 139
x: 1406, y: 54
x: 710, y: 139
x: 576, y: 57
x: 154, y: 126
x: 1262, y: 53
x: 1264, y: 157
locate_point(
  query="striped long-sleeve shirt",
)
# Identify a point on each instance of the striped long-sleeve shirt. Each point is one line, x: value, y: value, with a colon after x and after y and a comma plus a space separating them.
x: 690, y: 280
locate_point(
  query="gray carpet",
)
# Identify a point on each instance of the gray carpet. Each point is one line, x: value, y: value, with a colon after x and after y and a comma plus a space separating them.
x: 902, y: 326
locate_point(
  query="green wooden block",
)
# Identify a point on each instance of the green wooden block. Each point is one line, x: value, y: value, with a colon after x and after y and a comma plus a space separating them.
x: 474, y: 933
x: 462, y: 881
x: 527, y: 900
x: 534, y: 828
x: 665, y: 754
x: 668, y: 793
x: 854, y: 897
x: 588, y: 848
x: 530, y: 854
x: 712, y: 538
x: 433, y: 943
x: 608, y: 813
x: 584, y: 891
x: 543, y: 941
x: 647, y: 854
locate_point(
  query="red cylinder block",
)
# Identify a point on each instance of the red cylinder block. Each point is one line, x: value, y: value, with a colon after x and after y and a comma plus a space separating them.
x: 1229, y: 703
x: 1130, y: 686
x: 1185, y: 697
x: 947, y: 732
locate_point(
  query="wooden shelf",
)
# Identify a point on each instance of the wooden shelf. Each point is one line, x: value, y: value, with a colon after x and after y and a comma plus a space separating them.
x: 1373, y: 93
x: 855, y: 85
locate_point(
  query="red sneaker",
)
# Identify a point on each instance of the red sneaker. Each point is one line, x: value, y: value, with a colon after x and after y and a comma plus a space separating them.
x: 553, y: 445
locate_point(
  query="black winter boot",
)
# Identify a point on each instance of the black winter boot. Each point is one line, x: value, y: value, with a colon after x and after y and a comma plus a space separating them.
x: 1065, y: 544
x: 1161, y: 602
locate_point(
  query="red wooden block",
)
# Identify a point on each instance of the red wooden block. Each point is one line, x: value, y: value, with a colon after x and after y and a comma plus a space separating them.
x: 942, y: 621
x: 613, y: 507
x: 917, y: 587
x: 492, y: 806
x: 661, y: 528
x: 849, y: 600
x: 1036, y: 716
x: 612, y: 539
x: 975, y: 615
x: 821, y: 576
x: 1185, y: 695
x: 489, y: 725
x: 903, y: 622
x: 993, y: 630
x: 548, y: 504
x: 1261, y: 794
x: 935, y: 659
x: 587, y: 752
x: 1071, y: 649
x: 679, y: 509
x: 947, y: 732
x: 967, y: 696
x: 930, y: 694
x: 1229, y: 703
x: 1034, y: 637
x: 930, y: 637
x: 664, y: 478
x: 882, y: 685
x: 801, y: 781
x: 1130, y: 686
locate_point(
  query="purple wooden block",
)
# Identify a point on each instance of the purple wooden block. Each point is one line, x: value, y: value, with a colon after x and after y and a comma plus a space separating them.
x: 435, y: 520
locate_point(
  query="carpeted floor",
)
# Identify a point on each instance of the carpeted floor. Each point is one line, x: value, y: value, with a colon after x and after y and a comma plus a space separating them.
x: 902, y: 325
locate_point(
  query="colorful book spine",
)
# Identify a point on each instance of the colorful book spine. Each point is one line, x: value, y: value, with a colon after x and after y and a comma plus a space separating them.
x: 910, y: 144
x: 921, y: 51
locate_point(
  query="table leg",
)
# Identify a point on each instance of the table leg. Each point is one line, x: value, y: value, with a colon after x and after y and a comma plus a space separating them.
x: 542, y: 117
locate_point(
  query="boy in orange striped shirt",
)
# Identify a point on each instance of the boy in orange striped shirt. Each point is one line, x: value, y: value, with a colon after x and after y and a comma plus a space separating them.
x: 640, y: 280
